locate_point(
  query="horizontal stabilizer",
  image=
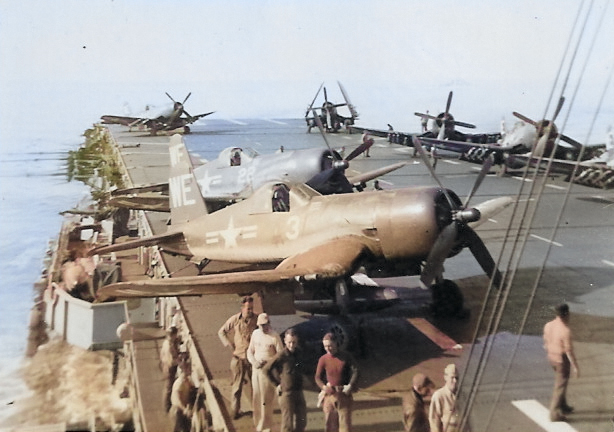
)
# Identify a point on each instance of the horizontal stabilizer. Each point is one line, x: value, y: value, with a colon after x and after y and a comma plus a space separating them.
x: 146, y: 203
x: 149, y: 241
x: 159, y: 187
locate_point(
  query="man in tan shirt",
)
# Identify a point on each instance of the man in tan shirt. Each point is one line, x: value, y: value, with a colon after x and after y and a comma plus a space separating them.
x: 243, y: 325
x: 443, y: 415
x: 263, y: 347
x: 558, y: 346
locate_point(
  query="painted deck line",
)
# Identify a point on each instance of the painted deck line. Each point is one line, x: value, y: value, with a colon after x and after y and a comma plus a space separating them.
x: 433, y: 333
x: 556, y: 187
x: 146, y: 153
x: 274, y: 121
x: 540, y: 415
x: 236, y: 122
x: 546, y: 240
x: 520, y: 178
x: 452, y: 162
x: 610, y: 263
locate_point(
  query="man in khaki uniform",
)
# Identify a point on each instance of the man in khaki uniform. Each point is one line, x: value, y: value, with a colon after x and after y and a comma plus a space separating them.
x: 558, y: 346
x: 443, y: 415
x: 415, y: 417
x: 243, y: 324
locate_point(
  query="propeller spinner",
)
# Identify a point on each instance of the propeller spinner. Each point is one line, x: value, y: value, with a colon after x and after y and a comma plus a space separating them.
x: 456, y: 233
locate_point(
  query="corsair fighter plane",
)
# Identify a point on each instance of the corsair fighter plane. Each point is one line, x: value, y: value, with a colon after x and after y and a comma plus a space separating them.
x: 290, y: 237
x: 527, y: 136
x: 328, y: 114
x: 238, y: 172
x: 168, y: 118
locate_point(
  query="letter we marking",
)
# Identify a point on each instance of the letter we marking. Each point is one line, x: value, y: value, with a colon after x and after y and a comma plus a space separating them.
x: 179, y: 190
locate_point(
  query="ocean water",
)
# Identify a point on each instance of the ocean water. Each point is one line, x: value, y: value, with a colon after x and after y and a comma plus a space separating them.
x: 33, y: 190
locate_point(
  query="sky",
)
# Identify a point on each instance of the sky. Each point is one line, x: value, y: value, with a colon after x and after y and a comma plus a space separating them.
x: 267, y: 58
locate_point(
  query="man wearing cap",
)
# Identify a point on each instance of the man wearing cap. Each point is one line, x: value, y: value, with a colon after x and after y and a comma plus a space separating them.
x: 442, y: 414
x: 264, y: 345
x: 558, y: 346
x: 336, y: 375
x: 415, y: 418
x: 243, y: 325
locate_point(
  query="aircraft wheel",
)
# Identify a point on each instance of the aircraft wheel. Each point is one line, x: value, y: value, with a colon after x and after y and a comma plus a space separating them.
x: 448, y: 300
x: 186, y: 130
x: 344, y: 333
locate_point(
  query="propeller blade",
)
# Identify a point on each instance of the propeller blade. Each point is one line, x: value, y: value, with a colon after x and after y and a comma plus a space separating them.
x: 572, y: 142
x: 463, y: 124
x: 485, y: 169
x: 325, y: 96
x: 357, y: 151
x: 439, y: 252
x: 347, y: 101
x: 428, y: 116
x: 186, y: 113
x: 170, y: 97
x: 481, y: 254
x: 186, y: 98
x: 314, y: 99
x: 425, y: 159
x: 319, y: 123
x: 317, y: 181
x: 448, y: 104
x: 524, y: 118
x: 558, y: 108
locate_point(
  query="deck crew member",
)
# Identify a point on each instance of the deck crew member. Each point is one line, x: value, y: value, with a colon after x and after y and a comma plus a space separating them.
x: 443, y: 415
x: 558, y: 346
x: 263, y: 347
x: 243, y: 325
x: 286, y: 373
x: 336, y: 375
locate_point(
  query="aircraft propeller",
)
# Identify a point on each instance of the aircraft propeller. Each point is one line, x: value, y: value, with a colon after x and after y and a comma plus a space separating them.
x: 445, y: 119
x: 552, y: 130
x: 180, y: 105
x: 457, y: 232
x: 338, y: 166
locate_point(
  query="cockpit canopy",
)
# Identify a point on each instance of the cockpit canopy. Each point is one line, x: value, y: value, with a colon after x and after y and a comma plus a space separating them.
x: 236, y: 156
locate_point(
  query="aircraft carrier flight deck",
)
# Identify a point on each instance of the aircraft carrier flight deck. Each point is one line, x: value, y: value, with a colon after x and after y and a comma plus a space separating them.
x: 505, y: 378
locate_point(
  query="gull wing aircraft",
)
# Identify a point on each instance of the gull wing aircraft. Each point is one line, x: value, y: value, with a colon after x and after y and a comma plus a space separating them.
x: 238, y: 172
x: 168, y: 118
x: 328, y: 114
x: 527, y: 136
x: 595, y: 172
x: 443, y: 126
x: 288, y: 237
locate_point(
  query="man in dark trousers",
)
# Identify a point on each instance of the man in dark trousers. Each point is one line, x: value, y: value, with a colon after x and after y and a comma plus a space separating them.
x: 558, y: 346
x: 336, y: 375
x: 415, y: 417
x: 243, y: 325
x: 286, y: 372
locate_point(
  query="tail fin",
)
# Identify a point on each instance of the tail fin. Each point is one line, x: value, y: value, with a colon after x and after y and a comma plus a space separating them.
x: 186, y: 201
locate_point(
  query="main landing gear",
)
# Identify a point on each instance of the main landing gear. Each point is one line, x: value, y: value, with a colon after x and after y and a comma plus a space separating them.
x: 448, y: 300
